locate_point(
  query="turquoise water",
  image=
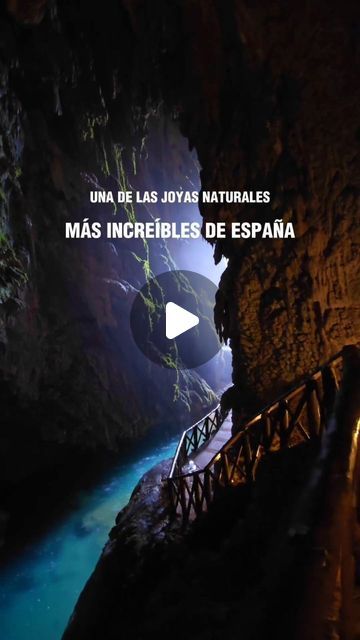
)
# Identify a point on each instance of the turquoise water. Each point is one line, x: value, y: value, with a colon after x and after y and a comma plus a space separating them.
x: 38, y: 592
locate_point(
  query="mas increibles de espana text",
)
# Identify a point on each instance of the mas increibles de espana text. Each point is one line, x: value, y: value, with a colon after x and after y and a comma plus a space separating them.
x: 156, y: 228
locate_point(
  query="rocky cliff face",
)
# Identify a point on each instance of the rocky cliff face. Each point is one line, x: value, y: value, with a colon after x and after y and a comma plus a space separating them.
x: 267, y: 96
x: 70, y: 373
x: 291, y: 304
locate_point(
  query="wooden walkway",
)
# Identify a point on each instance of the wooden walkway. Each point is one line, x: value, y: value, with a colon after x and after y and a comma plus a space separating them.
x: 210, y: 461
x: 200, y: 458
x: 209, y: 458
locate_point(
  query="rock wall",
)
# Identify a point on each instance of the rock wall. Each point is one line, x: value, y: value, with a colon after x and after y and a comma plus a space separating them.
x: 292, y: 304
x: 268, y: 97
x: 70, y: 373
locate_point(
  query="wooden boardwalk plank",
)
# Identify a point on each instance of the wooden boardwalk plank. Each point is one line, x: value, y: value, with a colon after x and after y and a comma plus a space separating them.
x: 203, y: 456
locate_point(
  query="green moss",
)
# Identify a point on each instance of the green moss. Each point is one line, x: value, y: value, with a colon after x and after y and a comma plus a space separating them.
x: 134, y: 161
x: 177, y: 392
x: 155, y: 302
x: 145, y: 263
x: 105, y: 162
x: 169, y: 361
x: 123, y: 183
x: 89, y: 123
x: 149, y: 303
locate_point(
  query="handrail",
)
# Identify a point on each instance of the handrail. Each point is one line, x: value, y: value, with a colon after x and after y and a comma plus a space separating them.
x: 270, y: 429
x: 177, y: 453
x: 272, y: 406
x: 216, y: 416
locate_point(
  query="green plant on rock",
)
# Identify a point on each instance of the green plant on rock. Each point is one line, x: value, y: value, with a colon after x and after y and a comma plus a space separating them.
x: 89, y: 123
x: 155, y: 303
x: 3, y: 240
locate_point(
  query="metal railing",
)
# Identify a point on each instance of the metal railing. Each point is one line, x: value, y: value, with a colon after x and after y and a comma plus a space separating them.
x: 297, y: 416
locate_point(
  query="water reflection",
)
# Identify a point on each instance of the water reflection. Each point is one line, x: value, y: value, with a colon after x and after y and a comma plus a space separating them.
x: 39, y: 590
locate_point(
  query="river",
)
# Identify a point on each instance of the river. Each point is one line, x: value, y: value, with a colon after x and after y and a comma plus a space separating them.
x: 39, y: 589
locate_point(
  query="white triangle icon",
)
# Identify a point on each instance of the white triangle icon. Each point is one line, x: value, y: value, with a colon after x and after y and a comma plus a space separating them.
x: 178, y: 320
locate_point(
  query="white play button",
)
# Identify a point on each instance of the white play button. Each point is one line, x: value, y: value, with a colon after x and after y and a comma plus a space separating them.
x: 178, y: 320
x: 172, y: 320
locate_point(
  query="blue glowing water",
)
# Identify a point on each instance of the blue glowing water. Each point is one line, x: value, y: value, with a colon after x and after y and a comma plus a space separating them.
x: 38, y: 592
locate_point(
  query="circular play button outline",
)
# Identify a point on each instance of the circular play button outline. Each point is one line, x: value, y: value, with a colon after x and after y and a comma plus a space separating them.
x: 172, y: 320
x: 178, y: 320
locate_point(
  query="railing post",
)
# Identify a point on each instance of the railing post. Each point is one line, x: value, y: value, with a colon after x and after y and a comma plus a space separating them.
x: 248, y: 459
x: 183, y: 501
x: 312, y: 407
x: 283, y: 423
x: 267, y: 431
x: 207, y: 488
x: 219, y: 418
x: 183, y: 455
x: 195, y: 437
x: 197, y: 494
x: 171, y: 491
x: 206, y: 428
x: 329, y: 384
x: 224, y: 468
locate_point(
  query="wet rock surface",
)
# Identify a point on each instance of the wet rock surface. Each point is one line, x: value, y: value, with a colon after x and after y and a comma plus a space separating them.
x: 267, y: 98
x: 129, y: 560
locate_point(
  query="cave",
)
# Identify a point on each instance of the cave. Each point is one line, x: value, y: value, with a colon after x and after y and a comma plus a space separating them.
x: 143, y: 492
